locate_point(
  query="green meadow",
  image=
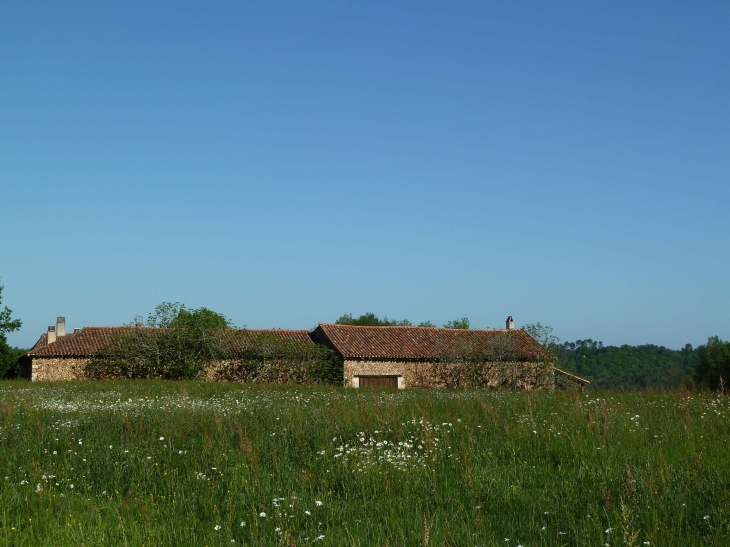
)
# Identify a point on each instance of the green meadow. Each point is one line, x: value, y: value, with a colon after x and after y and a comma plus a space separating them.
x: 191, y: 463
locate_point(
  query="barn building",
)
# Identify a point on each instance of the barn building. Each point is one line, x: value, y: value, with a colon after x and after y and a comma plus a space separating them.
x: 378, y: 357
x: 428, y: 357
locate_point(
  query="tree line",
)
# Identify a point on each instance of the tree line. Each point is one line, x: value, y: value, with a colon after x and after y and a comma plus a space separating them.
x: 369, y: 319
x: 644, y: 366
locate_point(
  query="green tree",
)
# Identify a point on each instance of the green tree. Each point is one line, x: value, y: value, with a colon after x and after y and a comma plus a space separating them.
x: 8, y: 355
x: 369, y: 319
x: 170, y: 314
x: 177, y: 343
x: 202, y: 318
x: 543, y: 334
x: 462, y: 323
x: 7, y: 324
x: 713, y: 369
x: 173, y: 342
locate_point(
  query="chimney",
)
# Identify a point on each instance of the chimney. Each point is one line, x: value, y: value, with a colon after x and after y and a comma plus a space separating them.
x: 76, y: 329
x: 51, y: 334
x: 60, y: 326
x: 510, y: 323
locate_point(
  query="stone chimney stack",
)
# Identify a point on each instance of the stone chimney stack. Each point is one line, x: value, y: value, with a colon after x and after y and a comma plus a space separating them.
x: 510, y: 323
x: 60, y: 326
x: 51, y: 334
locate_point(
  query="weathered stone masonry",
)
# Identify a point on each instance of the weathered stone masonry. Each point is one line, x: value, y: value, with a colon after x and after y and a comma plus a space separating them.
x: 57, y: 368
x: 425, y: 374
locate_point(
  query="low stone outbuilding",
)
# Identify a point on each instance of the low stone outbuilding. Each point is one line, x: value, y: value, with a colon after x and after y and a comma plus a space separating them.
x: 427, y: 357
x: 66, y: 356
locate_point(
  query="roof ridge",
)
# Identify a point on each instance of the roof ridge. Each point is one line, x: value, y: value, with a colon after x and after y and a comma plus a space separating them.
x: 338, y: 325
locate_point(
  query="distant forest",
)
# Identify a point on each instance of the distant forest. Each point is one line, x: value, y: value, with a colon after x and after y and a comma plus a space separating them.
x: 629, y: 367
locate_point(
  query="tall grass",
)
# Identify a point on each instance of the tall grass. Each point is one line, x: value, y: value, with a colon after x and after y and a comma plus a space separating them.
x: 193, y: 463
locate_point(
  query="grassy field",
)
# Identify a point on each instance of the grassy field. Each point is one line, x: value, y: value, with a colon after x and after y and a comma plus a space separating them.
x: 190, y: 463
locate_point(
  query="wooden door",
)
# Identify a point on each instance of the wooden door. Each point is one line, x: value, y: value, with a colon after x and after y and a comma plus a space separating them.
x: 388, y: 382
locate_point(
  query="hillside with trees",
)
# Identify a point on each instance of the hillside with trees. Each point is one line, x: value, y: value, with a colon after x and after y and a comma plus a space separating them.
x: 629, y: 367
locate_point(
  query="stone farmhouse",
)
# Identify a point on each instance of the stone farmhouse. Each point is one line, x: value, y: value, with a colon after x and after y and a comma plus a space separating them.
x: 395, y: 357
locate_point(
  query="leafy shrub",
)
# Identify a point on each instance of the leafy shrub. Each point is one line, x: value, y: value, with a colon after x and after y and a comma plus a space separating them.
x: 188, y: 351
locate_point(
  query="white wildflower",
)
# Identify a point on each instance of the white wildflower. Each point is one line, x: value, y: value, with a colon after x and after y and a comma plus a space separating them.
x: 319, y: 504
x: 262, y: 514
x: 217, y: 526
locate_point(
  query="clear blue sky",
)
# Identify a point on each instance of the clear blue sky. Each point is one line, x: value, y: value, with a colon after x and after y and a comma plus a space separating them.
x: 285, y: 163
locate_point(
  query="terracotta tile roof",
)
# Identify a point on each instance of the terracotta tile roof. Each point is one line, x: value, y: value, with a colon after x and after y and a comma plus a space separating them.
x: 425, y: 343
x: 90, y: 340
x: 42, y: 341
x: 351, y: 342
x: 63, y: 341
x: 237, y: 338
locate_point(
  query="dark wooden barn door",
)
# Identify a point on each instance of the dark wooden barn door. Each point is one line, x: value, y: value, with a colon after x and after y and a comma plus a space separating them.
x: 379, y: 381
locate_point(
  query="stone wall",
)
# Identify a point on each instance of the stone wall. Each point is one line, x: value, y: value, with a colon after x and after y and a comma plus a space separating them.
x: 411, y: 374
x: 427, y: 374
x: 273, y: 372
x: 55, y: 369
x: 52, y: 369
